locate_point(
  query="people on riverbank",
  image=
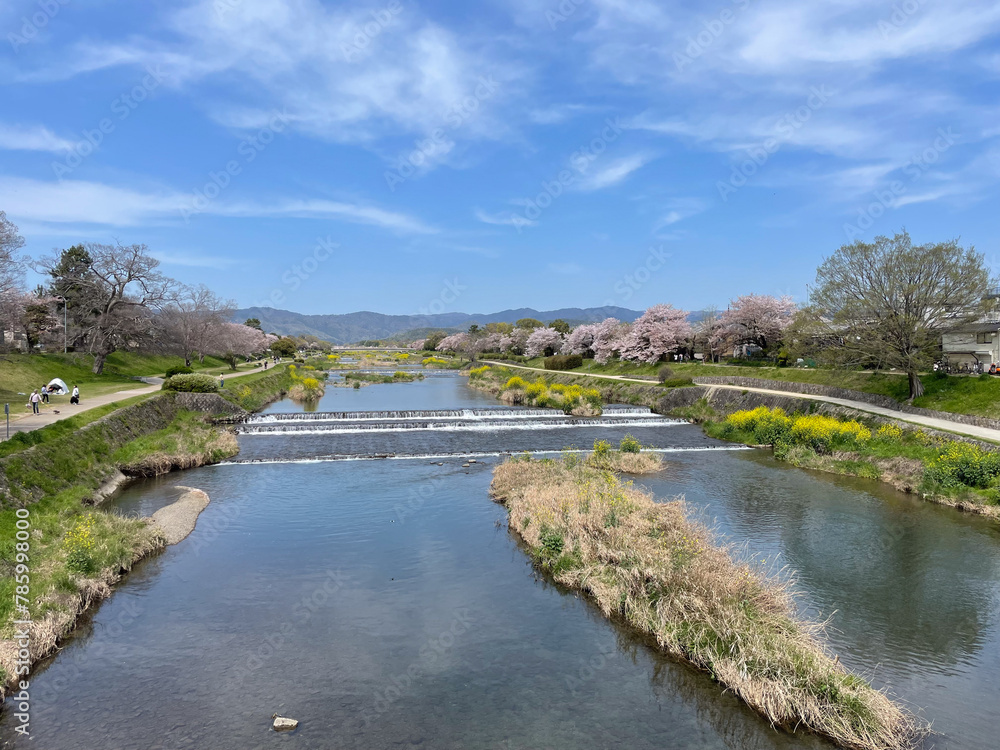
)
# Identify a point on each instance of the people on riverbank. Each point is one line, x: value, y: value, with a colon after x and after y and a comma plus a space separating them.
x: 75, y: 398
x: 44, y: 390
x: 34, y: 399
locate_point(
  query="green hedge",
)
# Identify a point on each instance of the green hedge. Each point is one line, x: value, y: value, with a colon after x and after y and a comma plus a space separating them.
x: 191, y: 384
x: 563, y: 362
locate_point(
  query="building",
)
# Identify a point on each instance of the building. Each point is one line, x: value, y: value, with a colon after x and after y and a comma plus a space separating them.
x: 972, y: 344
x: 977, y: 343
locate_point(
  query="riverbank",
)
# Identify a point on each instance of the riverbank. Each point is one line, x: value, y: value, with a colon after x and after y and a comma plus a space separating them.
x: 510, y: 388
x: 959, y: 473
x: 650, y: 565
x: 74, y: 551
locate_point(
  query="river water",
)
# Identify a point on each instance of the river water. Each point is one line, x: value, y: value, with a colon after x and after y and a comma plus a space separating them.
x: 383, y: 603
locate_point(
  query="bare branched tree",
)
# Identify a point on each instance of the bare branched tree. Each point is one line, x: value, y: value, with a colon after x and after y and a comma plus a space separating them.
x: 191, y: 320
x: 888, y: 301
x: 125, y: 289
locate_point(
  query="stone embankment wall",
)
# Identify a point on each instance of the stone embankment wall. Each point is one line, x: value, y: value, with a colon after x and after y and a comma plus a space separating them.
x: 868, y: 398
x: 727, y: 400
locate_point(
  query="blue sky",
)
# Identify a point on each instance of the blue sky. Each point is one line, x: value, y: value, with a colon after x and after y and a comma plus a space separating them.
x: 449, y: 156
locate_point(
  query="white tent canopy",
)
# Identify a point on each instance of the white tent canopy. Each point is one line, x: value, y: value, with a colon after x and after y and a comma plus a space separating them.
x: 57, y: 386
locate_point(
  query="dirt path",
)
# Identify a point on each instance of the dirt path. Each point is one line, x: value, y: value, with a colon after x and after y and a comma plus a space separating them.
x: 65, y: 410
x: 983, y: 433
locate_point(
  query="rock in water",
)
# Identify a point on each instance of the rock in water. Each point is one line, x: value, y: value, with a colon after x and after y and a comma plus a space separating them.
x: 281, y: 724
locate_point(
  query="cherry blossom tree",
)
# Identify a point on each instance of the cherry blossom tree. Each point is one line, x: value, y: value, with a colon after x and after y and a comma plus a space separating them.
x: 454, y: 343
x: 235, y: 341
x: 491, y: 342
x: 757, y: 319
x: 709, y: 332
x: 580, y: 340
x: 418, y: 344
x: 658, y: 331
x: 542, y: 340
x: 609, y: 337
x: 516, y: 341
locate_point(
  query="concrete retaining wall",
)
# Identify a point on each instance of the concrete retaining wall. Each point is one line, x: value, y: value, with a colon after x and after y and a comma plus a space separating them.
x: 844, y: 393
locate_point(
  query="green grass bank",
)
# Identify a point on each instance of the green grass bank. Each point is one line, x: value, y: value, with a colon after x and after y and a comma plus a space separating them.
x: 52, y: 481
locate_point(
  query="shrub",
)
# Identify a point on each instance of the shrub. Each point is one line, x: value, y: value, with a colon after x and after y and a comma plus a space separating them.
x: 602, y: 448
x: 179, y: 370
x: 191, y: 384
x: 79, y: 547
x: 665, y: 373
x: 889, y: 432
x: 676, y: 382
x: 629, y: 445
x: 965, y: 464
x: 535, y: 390
x: 517, y: 383
x: 563, y: 362
x: 479, y: 372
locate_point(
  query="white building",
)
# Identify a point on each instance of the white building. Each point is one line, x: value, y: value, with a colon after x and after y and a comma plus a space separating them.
x: 972, y: 344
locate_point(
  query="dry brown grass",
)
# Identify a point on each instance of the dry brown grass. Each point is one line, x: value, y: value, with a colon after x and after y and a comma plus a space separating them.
x: 650, y: 565
x: 626, y: 463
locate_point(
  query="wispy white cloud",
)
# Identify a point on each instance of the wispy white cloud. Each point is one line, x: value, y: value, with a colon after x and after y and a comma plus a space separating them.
x: 613, y: 172
x: 340, y: 75
x: 193, y: 260
x: 92, y: 203
x: 31, y: 138
x: 503, y: 218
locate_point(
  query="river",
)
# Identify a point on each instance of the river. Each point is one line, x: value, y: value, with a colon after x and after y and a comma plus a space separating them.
x: 384, y: 604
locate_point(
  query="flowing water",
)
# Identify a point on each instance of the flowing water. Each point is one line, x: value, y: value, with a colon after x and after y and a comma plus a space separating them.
x: 383, y: 603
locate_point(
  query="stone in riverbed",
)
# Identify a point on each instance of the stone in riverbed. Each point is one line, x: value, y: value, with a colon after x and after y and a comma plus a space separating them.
x: 472, y: 460
x: 281, y: 724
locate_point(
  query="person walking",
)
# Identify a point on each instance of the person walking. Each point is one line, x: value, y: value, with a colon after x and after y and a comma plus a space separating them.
x: 75, y: 398
x: 222, y: 381
x: 34, y: 398
x: 45, y: 394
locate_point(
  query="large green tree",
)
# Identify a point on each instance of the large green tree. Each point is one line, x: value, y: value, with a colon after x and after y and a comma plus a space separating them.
x: 886, y: 302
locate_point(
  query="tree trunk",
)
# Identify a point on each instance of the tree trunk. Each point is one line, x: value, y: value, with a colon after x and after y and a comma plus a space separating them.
x: 99, y: 363
x: 916, y: 387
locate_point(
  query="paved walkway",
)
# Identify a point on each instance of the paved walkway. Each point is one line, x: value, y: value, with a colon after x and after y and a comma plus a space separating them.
x: 65, y: 410
x: 983, y: 433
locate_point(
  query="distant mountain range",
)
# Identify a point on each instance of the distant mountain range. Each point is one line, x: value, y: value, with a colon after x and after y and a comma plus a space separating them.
x: 359, y: 326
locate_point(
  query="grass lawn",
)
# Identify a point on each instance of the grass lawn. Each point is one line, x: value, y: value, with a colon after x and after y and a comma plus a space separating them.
x: 960, y: 394
x: 23, y: 373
